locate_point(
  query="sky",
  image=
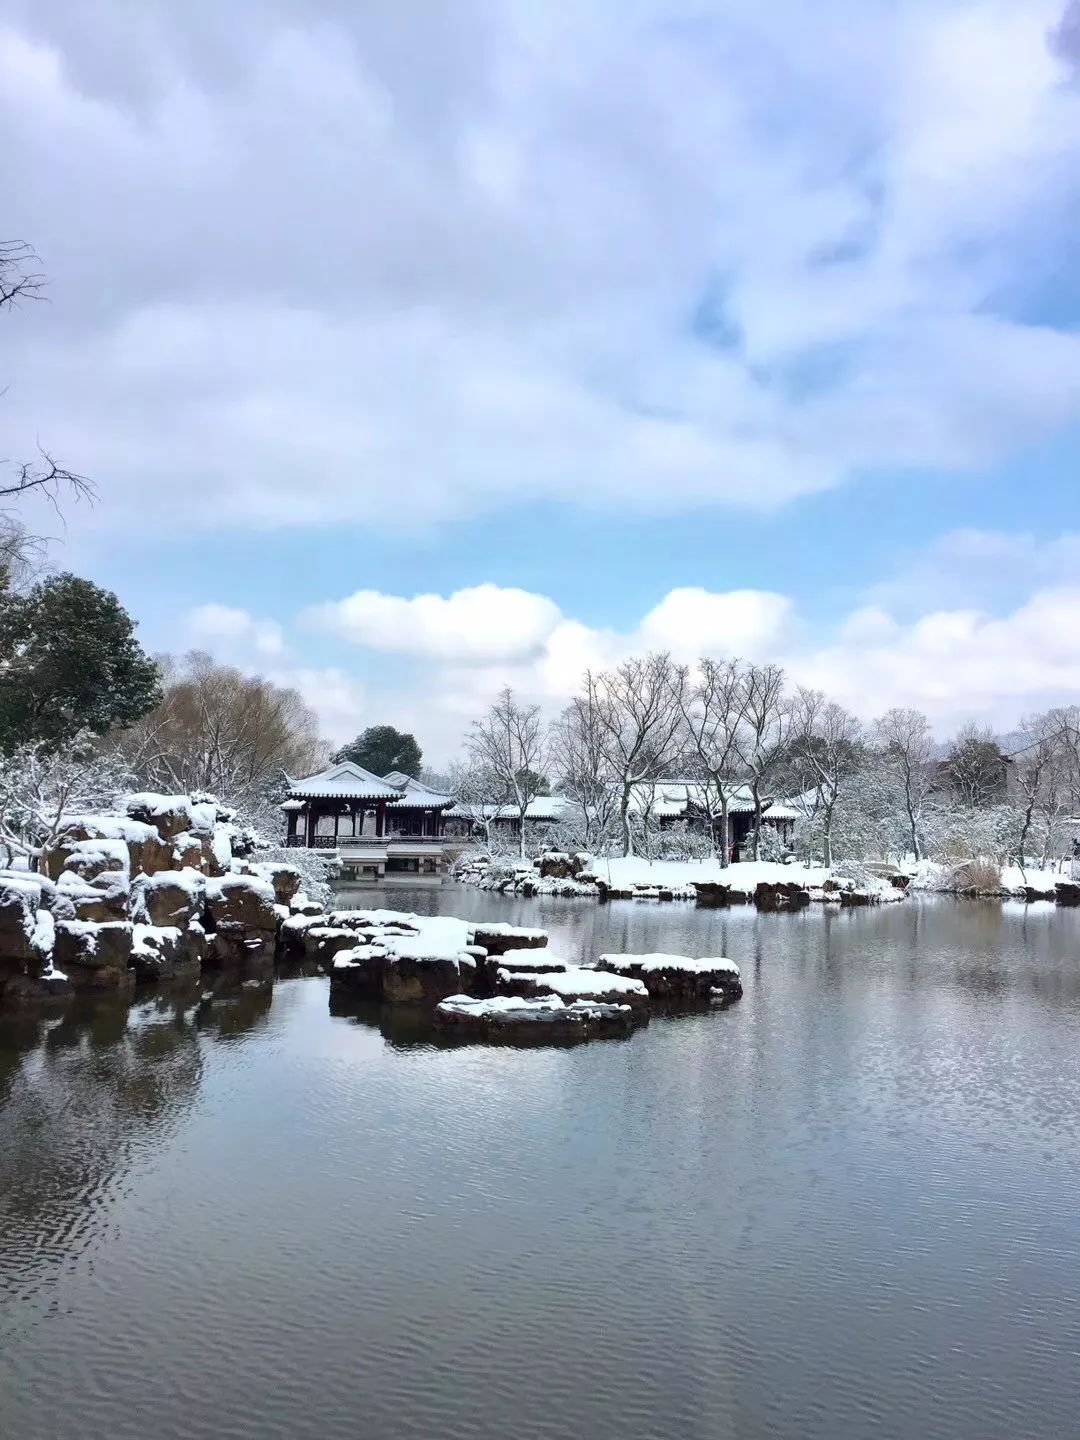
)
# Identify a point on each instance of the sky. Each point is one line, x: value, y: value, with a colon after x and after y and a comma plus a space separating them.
x: 423, y: 346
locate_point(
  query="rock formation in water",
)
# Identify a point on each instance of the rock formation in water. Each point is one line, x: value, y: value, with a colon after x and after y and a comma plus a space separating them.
x: 149, y: 894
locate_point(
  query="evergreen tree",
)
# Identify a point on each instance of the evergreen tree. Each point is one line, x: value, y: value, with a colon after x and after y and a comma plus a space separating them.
x: 69, y: 663
x: 381, y: 749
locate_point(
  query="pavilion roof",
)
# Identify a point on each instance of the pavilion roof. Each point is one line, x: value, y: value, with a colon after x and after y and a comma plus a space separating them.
x: 415, y: 794
x: 344, y: 781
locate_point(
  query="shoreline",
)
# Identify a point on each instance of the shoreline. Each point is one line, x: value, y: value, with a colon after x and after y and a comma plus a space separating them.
x: 766, y: 884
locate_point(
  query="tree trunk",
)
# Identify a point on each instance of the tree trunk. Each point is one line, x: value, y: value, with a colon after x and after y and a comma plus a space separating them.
x: 914, y: 835
x: 521, y: 832
x: 826, y: 840
x: 725, y: 834
x: 757, y: 820
x: 624, y: 818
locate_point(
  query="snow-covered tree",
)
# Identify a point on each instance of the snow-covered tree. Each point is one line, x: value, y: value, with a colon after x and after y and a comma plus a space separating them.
x: 579, y: 757
x: 826, y: 746
x: 1041, y: 775
x: 712, y: 710
x: 907, y: 751
x: 69, y: 662
x: 975, y: 768
x: 638, y: 707
x: 477, y: 789
x: 41, y: 788
x: 509, y: 743
x: 762, y: 737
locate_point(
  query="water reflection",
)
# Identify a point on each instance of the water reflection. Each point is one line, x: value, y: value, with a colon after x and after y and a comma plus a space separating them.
x: 843, y: 1207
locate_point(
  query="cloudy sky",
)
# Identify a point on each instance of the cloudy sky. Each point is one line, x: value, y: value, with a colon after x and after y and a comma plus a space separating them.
x: 418, y: 345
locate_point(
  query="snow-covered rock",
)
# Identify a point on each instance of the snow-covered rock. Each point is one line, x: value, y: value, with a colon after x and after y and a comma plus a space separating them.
x: 171, y: 898
x: 679, y: 977
x: 168, y: 814
x: 497, y: 937
x: 516, y: 1020
x: 95, y: 956
x: 603, y: 986
x: 241, y: 915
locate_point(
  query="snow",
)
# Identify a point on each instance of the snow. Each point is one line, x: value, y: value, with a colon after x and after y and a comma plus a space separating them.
x: 44, y: 936
x: 159, y: 805
x: 148, y: 939
x: 1045, y: 881
x: 188, y: 879
x: 113, y: 854
x: 405, y: 937
x: 217, y: 886
x: 501, y: 928
x: 577, y: 983
x: 221, y: 844
x: 633, y: 871
x: 648, y: 963
x: 502, y: 1005
x: 203, y: 818
x: 109, y: 827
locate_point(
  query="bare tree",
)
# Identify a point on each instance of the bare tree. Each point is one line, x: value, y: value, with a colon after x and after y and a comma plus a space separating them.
x: 510, y: 742
x: 712, y: 709
x: 826, y: 745
x: 20, y: 550
x: 581, y: 763
x: 639, y: 715
x: 907, y: 750
x: 222, y: 731
x: 762, y: 736
x: 476, y: 787
x: 1041, y: 774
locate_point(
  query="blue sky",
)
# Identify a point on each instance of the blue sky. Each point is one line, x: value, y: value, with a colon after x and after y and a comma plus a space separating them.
x: 691, y: 325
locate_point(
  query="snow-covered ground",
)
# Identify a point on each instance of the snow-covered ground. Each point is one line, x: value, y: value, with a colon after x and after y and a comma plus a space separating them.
x: 933, y: 876
x: 633, y: 872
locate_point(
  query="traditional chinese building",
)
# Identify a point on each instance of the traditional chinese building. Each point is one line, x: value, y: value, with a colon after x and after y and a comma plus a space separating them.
x: 666, y: 802
x: 376, y: 826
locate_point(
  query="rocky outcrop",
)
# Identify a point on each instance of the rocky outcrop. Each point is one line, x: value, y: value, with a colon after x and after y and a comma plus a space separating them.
x: 601, y: 986
x: 512, y: 1020
x: 497, y: 937
x: 94, y: 955
x: 679, y: 979
x: 382, y: 971
x: 713, y: 895
x: 145, y: 895
x: 781, y: 895
x: 1067, y: 892
x: 241, y: 916
x: 171, y: 898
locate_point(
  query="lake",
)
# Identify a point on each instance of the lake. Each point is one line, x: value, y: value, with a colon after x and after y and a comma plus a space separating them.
x: 844, y: 1207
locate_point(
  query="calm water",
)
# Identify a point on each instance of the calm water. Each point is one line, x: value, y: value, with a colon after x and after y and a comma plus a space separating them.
x: 845, y: 1207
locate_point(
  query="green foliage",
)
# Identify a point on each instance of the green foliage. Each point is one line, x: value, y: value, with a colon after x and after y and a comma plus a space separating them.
x: 381, y: 749
x: 532, y: 783
x: 69, y: 663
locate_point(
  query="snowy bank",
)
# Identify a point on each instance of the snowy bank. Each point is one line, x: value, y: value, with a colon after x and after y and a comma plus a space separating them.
x: 769, y: 885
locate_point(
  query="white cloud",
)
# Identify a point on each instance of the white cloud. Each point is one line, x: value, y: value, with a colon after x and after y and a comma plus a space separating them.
x: 692, y: 621
x: 226, y: 627
x: 336, y: 697
x: 955, y: 662
x: 480, y: 624
x: 527, y: 211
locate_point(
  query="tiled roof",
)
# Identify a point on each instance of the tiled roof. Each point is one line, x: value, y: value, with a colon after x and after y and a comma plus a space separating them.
x: 345, y: 781
x: 414, y: 793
